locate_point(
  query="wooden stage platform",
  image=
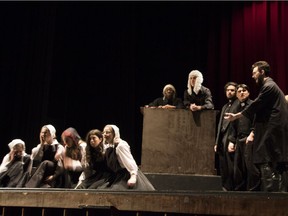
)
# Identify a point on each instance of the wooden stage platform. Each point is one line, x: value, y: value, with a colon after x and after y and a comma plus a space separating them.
x: 172, y: 198
x: 179, y: 162
x: 144, y: 203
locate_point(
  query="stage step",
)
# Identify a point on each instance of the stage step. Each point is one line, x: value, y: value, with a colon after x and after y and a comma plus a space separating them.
x: 176, y: 182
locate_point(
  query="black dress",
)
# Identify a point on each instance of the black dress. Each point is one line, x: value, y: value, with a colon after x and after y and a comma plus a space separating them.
x: 96, y: 173
x: 15, y: 171
x: 46, y: 166
x: 119, y: 176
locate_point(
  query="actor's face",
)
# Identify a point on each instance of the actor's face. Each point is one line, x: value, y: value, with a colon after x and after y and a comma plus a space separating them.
x: 168, y: 93
x: 45, y: 136
x: 258, y: 76
x: 193, y: 80
x: 230, y: 92
x: 242, y: 94
x: 68, y: 141
x: 94, y: 140
x: 108, y: 135
x: 18, y: 150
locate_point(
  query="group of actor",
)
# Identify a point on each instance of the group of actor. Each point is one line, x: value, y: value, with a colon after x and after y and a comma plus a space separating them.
x: 102, y: 161
x: 197, y: 97
x: 234, y: 145
x: 251, y: 144
x: 252, y: 135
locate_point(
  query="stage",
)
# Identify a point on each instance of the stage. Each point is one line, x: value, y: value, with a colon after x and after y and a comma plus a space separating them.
x: 179, y: 162
x: 176, y: 195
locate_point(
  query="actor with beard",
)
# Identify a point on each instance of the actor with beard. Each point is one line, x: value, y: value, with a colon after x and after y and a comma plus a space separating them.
x: 270, y: 152
x: 222, y: 146
x: 169, y: 99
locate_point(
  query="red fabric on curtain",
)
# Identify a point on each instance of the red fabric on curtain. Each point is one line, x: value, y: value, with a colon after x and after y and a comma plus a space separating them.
x: 252, y: 31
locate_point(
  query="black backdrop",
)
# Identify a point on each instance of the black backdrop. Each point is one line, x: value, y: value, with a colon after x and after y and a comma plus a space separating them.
x: 88, y: 64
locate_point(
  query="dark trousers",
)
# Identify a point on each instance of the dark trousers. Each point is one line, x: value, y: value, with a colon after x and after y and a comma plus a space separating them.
x: 226, y: 165
x: 273, y: 177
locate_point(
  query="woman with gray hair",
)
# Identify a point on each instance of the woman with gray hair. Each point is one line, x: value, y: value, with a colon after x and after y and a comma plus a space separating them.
x: 197, y: 97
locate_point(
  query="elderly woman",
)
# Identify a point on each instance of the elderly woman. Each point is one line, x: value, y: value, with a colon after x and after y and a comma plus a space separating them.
x: 125, y: 172
x: 197, y: 97
x: 14, y: 164
x: 46, y: 156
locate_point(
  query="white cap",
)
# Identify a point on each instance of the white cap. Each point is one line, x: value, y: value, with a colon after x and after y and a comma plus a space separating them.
x: 52, y: 130
x: 15, y: 142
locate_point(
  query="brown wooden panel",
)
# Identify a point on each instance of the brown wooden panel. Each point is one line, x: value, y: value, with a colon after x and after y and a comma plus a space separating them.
x: 178, y: 141
x: 206, y: 203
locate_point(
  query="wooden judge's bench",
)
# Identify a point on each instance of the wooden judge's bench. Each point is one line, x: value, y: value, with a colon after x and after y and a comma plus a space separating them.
x: 178, y: 141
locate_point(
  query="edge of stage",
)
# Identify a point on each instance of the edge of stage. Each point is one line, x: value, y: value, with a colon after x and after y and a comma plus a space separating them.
x: 174, y: 196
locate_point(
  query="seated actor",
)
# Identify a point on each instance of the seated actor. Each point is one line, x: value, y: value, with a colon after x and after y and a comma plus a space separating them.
x: 169, y: 99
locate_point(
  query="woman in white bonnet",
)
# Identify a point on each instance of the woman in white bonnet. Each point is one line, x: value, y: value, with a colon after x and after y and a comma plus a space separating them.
x: 47, y: 164
x: 125, y: 172
x: 197, y: 97
x: 14, y: 164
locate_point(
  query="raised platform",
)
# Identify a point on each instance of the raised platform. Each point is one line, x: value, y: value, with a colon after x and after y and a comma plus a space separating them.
x: 169, y: 199
x: 190, y: 202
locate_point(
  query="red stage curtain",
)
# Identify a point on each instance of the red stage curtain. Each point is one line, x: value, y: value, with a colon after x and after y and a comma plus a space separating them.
x: 251, y: 31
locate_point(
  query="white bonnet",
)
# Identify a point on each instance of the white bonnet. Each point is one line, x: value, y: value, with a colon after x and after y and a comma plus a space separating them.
x: 15, y: 142
x: 117, y: 138
x: 52, y: 130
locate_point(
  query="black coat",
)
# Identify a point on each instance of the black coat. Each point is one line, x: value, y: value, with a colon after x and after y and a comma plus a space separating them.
x: 223, y: 125
x: 164, y: 101
x: 203, y: 98
x: 271, y: 124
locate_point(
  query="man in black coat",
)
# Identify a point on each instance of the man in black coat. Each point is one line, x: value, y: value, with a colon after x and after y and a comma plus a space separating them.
x: 246, y: 173
x: 226, y: 157
x: 270, y: 151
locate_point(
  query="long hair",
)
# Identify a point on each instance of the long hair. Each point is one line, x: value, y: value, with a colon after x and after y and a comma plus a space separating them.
x: 74, y: 151
x: 198, y: 82
x: 94, y: 153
